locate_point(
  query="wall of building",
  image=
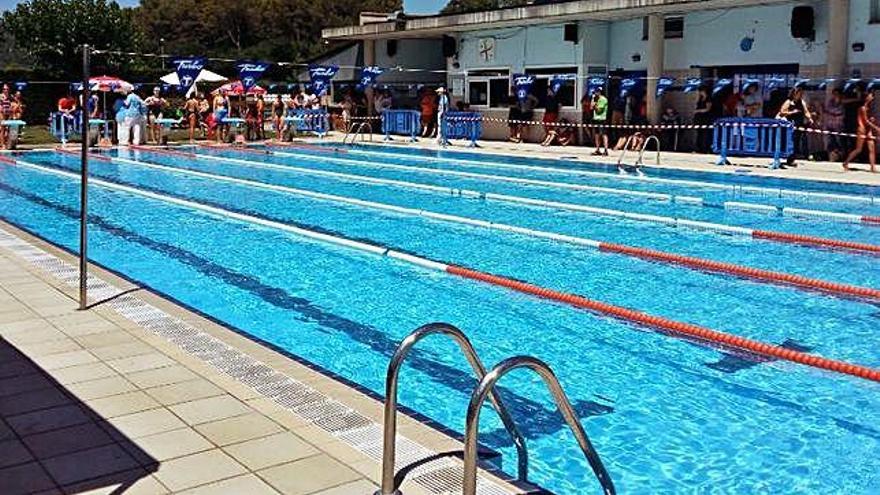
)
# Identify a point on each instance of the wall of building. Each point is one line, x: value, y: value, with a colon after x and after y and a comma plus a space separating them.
x: 518, y: 48
x: 861, y: 31
x: 412, y: 53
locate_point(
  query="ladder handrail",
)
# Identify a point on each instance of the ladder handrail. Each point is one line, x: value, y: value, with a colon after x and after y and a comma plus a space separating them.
x: 645, y: 147
x: 487, y: 386
x: 357, y: 131
x: 625, y: 148
x: 390, y: 431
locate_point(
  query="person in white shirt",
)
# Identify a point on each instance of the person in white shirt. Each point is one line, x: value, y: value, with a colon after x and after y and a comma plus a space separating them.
x: 442, y: 108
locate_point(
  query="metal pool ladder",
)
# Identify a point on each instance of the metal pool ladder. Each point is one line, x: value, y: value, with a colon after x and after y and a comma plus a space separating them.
x: 485, y: 389
x: 355, y: 130
x: 640, y: 159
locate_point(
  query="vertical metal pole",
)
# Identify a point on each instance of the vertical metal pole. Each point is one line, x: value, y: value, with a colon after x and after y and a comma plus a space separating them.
x: 84, y: 185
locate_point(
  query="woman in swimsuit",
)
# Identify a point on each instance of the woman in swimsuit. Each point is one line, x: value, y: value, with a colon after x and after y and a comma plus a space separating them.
x: 191, y: 110
x: 278, y: 116
x: 155, y: 104
x: 867, y: 134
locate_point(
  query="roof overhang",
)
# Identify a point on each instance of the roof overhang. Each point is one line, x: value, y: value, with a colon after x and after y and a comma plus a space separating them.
x: 596, y: 10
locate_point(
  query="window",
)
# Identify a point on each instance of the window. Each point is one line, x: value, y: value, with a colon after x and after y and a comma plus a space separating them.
x: 488, y: 88
x: 673, y: 27
x: 542, y: 79
x: 874, y: 15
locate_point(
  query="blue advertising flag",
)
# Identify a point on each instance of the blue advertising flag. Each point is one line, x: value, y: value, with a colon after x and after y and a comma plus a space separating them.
x: 663, y: 84
x: 369, y: 75
x: 851, y: 84
x: 720, y: 85
x: 321, y: 76
x: 595, y: 83
x: 558, y: 80
x: 188, y: 70
x: 522, y: 83
x: 250, y: 71
x: 874, y: 85
x: 692, y: 84
x: 774, y: 82
x: 747, y: 83
x: 21, y: 85
x: 626, y: 86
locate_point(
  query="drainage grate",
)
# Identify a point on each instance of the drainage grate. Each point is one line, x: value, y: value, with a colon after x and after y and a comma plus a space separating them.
x: 440, y: 476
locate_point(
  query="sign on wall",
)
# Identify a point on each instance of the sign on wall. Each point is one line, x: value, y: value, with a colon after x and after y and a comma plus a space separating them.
x: 486, y: 49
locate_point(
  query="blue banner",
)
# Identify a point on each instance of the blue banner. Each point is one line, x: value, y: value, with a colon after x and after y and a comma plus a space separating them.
x: 76, y: 87
x: 250, y: 71
x: 369, y: 75
x: 663, y: 84
x: 692, y: 84
x: 188, y: 70
x: 21, y: 85
x: 720, y: 85
x: 851, y: 83
x: 874, y: 85
x: 522, y: 83
x: 774, y: 82
x: 320, y: 76
x: 749, y: 82
x: 595, y: 83
x: 627, y: 86
x: 558, y: 80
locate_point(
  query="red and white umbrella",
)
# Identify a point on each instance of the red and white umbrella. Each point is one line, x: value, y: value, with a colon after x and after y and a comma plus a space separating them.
x: 236, y: 88
x: 109, y: 84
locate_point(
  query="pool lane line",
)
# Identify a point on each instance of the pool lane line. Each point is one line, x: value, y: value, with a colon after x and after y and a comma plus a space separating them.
x: 688, y: 331
x: 805, y: 240
x: 729, y: 205
x: 769, y: 191
x: 834, y: 288
x: 78, y: 153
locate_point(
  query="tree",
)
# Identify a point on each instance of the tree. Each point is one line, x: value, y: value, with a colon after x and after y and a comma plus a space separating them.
x: 50, y: 33
x: 465, y: 6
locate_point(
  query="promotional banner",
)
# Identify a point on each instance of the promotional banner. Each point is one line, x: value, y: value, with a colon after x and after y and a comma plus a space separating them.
x: 20, y: 85
x: 188, y: 70
x: 774, y: 82
x: 720, y: 85
x: 627, y: 86
x: 250, y: 71
x: 522, y: 83
x: 595, y: 83
x: 369, y: 75
x: 558, y: 80
x: 663, y: 84
x: 746, y: 83
x: 692, y: 84
x: 874, y: 85
x: 320, y: 76
x: 76, y: 87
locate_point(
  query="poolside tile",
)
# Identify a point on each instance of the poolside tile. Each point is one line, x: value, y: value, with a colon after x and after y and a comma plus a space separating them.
x: 102, y: 387
x: 85, y: 464
x: 122, y: 350
x: 32, y: 401
x: 141, y: 362
x: 82, y: 373
x: 31, y: 323
x: 197, y: 469
x: 248, y: 483
x: 50, y: 362
x: 111, y: 338
x: 169, y: 444
x: 210, y: 409
x: 51, y: 347
x: 145, y: 423
x: 323, y: 472
x: 48, y: 419
x: 184, y: 391
x: 362, y: 486
x: 238, y: 429
x: 122, y: 404
x: 24, y: 479
x: 67, y: 440
x: 13, y: 452
x: 35, y: 336
x: 133, y: 482
x: 270, y: 451
x: 160, y: 376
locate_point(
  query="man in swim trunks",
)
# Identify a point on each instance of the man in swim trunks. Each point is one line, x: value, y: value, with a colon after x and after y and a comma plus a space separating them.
x: 191, y: 110
x: 867, y: 132
x: 155, y: 104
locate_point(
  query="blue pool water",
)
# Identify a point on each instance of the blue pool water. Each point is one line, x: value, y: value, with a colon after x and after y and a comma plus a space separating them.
x: 666, y: 415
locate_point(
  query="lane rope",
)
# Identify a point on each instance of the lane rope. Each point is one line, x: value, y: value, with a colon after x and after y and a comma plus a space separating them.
x: 834, y: 288
x: 689, y: 331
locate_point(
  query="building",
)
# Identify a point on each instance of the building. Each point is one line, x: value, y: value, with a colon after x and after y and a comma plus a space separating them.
x: 643, y: 39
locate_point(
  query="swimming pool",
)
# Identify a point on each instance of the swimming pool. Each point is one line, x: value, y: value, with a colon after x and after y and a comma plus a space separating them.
x: 667, y: 415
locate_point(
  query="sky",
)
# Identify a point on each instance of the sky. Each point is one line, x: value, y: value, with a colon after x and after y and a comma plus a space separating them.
x: 410, y: 6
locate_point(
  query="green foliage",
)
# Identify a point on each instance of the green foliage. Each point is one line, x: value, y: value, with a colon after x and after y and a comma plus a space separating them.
x: 49, y: 33
x: 465, y: 6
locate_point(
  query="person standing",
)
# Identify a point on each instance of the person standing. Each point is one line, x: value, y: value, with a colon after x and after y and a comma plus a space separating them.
x: 867, y: 132
x: 155, y: 106
x: 600, y: 120
x: 260, y: 109
x: 278, y: 117
x: 427, y: 107
x: 551, y: 117
x: 752, y: 101
x: 191, y: 110
x: 442, y: 108
x: 221, y: 111
x: 703, y: 116
x: 795, y: 110
x: 833, y: 124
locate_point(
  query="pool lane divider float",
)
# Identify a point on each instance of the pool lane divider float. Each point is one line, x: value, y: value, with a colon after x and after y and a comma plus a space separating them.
x: 804, y: 240
x: 834, y: 288
x: 689, y: 331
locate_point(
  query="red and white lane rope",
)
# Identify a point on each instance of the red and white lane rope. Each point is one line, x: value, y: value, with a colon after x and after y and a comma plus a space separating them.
x: 667, y: 326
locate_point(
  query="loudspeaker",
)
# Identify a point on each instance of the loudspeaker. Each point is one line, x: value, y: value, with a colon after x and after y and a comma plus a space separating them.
x: 449, y: 47
x: 391, y: 47
x: 571, y: 33
x: 803, y: 22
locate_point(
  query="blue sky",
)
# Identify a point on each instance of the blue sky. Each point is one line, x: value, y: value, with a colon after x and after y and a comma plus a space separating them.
x: 411, y: 6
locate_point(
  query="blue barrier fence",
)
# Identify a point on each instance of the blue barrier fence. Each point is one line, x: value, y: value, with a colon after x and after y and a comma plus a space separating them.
x: 404, y: 122
x: 311, y: 120
x: 737, y: 136
x: 463, y: 125
x: 63, y: 125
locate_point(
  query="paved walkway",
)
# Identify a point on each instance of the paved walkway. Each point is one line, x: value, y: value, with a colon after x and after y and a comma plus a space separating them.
x: 92, y: 403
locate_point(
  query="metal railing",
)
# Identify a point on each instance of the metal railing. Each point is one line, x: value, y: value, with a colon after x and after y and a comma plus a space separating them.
x: 641, y: 156
x: 355, y: 130
x: 487, y: 387
x: 390, y: 432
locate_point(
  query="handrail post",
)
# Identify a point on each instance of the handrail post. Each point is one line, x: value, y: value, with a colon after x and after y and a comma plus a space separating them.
x: 84, y: 188
x: 486, y: 387
x: 390, y: 415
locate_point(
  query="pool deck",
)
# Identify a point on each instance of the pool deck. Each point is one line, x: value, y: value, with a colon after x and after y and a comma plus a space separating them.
x: 94, y: 402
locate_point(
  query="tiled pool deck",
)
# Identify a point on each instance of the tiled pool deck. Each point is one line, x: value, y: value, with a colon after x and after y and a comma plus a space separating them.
x: 94, y: 402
